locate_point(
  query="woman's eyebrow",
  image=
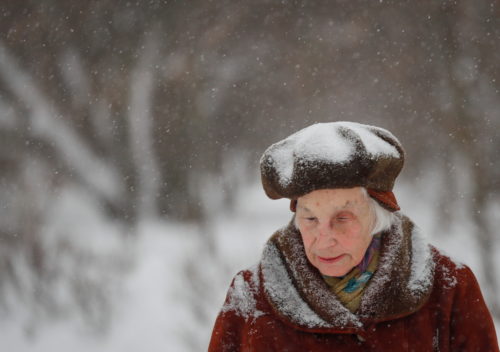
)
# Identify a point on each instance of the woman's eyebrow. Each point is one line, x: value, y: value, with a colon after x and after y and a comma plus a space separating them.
x: 347, y: 204
x: 342, y: 207
x: 303, y: 208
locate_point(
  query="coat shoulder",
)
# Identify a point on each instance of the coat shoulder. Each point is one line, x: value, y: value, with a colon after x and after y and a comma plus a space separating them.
x: 450, y: 272
x: 470, y: 321
x: 242, y: 296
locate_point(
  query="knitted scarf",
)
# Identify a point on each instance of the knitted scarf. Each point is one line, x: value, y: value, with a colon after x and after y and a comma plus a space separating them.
x: 350, y: 287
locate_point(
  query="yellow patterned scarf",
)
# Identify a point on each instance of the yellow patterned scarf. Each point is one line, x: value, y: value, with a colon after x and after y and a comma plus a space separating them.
x: 350, y: 287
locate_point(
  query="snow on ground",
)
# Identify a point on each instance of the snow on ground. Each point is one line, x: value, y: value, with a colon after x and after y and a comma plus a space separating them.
x: 152, y: 312
x: 157, y: 305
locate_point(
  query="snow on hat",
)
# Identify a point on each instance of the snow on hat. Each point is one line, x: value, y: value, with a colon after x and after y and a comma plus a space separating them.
x: 334, y: 155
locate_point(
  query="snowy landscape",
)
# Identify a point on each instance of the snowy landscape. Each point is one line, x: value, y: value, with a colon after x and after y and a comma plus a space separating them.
x: 131, y: 134
x: 156, y: 305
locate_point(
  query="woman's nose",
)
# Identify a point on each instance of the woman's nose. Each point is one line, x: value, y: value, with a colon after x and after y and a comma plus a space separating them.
x: 326, y: 232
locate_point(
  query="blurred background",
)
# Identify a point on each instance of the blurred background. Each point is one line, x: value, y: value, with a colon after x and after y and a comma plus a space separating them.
x: 131, y: 132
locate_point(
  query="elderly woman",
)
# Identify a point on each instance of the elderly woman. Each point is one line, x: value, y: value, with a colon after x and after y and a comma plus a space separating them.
x: 350, y: 272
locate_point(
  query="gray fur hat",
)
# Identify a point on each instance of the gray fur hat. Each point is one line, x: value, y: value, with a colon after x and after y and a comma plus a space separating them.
x: 331, y: 155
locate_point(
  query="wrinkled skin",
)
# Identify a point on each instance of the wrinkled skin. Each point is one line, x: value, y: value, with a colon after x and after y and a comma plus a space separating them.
x: 335, y: 225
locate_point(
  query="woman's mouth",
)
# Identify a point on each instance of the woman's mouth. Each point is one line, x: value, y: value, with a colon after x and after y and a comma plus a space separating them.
x: 330, y: 260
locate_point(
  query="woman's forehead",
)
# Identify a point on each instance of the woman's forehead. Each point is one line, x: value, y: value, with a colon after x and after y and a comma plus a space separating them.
x: 331, y: 201
x: 327, y: 205
x: 337, y: 196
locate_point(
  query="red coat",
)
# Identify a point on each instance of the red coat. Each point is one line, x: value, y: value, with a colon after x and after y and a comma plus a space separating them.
x: 417, y: 300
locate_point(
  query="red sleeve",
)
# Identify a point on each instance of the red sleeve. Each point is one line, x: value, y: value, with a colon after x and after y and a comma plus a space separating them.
x: 226, y: 335
x: 472, y: 327
x: 229, y: 332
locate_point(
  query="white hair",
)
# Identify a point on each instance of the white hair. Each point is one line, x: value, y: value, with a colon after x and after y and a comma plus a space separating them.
x: 383, y: 218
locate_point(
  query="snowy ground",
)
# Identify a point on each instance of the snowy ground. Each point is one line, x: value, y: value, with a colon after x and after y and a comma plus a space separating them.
x: 170, y: 296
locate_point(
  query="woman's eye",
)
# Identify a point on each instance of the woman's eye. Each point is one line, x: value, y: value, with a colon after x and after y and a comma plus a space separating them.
x: 343, y: 218
x: 310, y: 219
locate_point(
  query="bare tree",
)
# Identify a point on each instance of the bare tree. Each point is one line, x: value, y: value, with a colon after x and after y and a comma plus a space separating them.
x: 144, y: 106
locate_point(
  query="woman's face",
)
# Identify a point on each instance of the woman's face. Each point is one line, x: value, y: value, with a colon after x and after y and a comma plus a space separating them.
x: 335, y: 225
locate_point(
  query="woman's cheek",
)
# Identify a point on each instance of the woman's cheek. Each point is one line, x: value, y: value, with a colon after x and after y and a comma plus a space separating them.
x: 308, y: 239
x: 354, y: 230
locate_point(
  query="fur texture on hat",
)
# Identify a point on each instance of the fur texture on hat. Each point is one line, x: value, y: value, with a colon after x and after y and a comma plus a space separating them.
x: 331, y: 155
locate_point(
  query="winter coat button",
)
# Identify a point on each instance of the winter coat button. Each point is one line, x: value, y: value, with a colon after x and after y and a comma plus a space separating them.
x: 361, y: 338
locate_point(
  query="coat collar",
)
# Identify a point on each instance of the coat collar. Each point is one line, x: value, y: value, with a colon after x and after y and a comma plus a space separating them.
x: 297, y: 292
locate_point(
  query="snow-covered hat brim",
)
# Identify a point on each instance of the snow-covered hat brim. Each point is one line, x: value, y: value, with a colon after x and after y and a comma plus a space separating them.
x: 332, y: 155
